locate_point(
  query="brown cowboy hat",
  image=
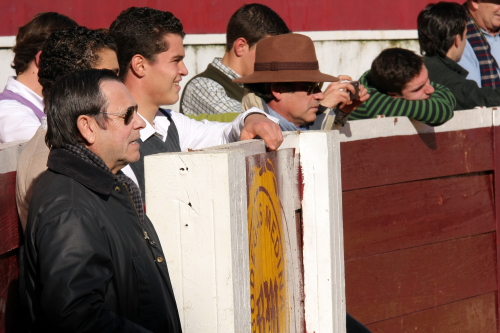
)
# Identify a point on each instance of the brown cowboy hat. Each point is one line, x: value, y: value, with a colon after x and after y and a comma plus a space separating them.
x: 286, y: 58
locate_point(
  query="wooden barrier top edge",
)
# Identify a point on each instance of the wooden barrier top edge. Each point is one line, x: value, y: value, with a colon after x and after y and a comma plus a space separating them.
x: 398, y: 126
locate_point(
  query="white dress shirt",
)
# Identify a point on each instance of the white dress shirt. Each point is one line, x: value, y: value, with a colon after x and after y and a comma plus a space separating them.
x: 17, y: 121
x: 194, y: 134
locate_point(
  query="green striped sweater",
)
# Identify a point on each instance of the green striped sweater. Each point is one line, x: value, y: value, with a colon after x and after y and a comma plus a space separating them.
x: 433, y: 111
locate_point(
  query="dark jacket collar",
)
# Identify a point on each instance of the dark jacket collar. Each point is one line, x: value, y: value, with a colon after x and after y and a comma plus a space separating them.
x: 62, y: 161
x: 451, y: 64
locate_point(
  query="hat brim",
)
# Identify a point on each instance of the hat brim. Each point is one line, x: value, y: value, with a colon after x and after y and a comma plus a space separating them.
x: 287, y: 76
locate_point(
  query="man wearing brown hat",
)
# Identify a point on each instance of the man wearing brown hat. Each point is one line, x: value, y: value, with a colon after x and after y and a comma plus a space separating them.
x: 288, y: 80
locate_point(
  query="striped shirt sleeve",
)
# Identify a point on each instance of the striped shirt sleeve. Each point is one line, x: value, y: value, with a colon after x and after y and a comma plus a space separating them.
x: 434, y: 111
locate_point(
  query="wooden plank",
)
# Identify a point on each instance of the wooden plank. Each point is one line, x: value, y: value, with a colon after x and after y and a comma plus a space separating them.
x: 391, y: 160
x: 275, y: 266
x: 473, y: 315
x: 10, y: 227
x: 388, y: 218
x: 197, y: 202
x: 402, y: 282
x: 496, y: 147
x: 9, y: 292
x: 323, y: 237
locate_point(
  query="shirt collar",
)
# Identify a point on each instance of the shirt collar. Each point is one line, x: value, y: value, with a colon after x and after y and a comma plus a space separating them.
x: 454, y: 66
x: 20, y: 89
x: 90, y: 176
x: 217, y: 63
x: 283, y: 122
x: 160, y: 130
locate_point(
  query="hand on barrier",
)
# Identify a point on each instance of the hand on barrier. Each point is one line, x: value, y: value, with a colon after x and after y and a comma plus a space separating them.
x: 260, y: 125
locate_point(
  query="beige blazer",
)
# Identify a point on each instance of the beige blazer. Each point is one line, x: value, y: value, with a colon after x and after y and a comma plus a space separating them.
x: 32, y: 163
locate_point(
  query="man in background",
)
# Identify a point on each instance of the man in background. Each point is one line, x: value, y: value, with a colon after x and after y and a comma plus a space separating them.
x: 213, y: 90
x: 482, y: 50
x: 21, y: 106
x: 441, y: 33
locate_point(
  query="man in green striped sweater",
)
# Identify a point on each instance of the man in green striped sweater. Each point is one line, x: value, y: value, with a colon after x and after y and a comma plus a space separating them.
x: 399, y: 85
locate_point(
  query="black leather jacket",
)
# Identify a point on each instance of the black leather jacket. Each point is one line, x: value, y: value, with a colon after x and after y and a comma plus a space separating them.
x: 88, y: 266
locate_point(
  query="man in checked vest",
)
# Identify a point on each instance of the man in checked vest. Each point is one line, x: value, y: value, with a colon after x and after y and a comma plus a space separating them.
x: 212, y: 91
x: 482, y: 52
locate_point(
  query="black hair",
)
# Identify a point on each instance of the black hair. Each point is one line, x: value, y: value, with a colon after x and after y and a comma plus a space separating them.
x: 254, y: 22
x: 71, y: 50
x: 141, y: 30
x: 438, y: 25
x: 77, y: 93
x: 32, y: 36
x: 394, y: 68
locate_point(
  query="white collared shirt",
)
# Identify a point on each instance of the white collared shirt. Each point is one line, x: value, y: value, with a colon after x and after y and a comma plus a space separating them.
x: 17, y: 121
x: 194, y: 134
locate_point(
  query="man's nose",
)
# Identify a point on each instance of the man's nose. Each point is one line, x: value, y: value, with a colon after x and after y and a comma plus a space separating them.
x: 138, y: 122
x: 430, y: 89
x: 319, y: 95
x: 183, y: 71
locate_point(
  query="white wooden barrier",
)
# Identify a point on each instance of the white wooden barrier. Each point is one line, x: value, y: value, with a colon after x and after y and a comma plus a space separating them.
x: 198, y: 204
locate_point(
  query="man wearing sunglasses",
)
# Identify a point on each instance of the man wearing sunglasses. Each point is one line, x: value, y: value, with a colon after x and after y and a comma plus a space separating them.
x: 288, y: 80
x: 93, y: 260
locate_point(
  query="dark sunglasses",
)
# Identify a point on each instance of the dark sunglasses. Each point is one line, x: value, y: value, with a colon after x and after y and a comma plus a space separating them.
x: 312, y: 86
x: 127, y: 116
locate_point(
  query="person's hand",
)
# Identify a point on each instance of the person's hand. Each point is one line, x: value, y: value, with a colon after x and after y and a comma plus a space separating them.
x: 354, y: 104
x: 260, y: 125
x: 337, y: 93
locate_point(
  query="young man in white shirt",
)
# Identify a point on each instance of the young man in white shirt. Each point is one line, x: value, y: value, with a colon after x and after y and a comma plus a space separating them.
x: 21, y: 106
x: 151, y: 57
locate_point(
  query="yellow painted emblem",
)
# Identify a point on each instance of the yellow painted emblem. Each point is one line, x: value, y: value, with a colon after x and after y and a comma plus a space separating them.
x: 268, y: 285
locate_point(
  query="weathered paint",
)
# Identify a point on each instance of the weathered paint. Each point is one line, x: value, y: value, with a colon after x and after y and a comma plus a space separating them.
x: 268, y: 258
x: 213, y: 16
x: 323, y: 239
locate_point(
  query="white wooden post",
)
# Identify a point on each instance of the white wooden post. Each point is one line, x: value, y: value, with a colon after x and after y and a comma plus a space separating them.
x: 198, y: 204
x: 324, y: 278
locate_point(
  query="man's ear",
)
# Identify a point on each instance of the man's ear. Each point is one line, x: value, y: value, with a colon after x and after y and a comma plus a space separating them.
x: 138, y: 65
x: 277, y: 91
x: 88, y: 127
x: 37, y: 59
x: 458, y: 40
x: 240, y: 46
x: 473, y: 4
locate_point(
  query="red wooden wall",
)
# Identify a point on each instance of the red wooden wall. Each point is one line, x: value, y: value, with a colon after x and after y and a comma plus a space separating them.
x: 212, y: 16
x: 420, y: 228
x: 9, y: 249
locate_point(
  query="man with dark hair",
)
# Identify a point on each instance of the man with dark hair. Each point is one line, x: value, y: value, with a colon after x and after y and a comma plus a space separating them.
x: 291, y: 90
x: 399, y: 85
x: 21, y: 106
x: 93, y: 259
x: 441, y: 33
x: 213, y: 91
x: 64, y: 52
x: 151, y: 56
x: 482, y: 50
